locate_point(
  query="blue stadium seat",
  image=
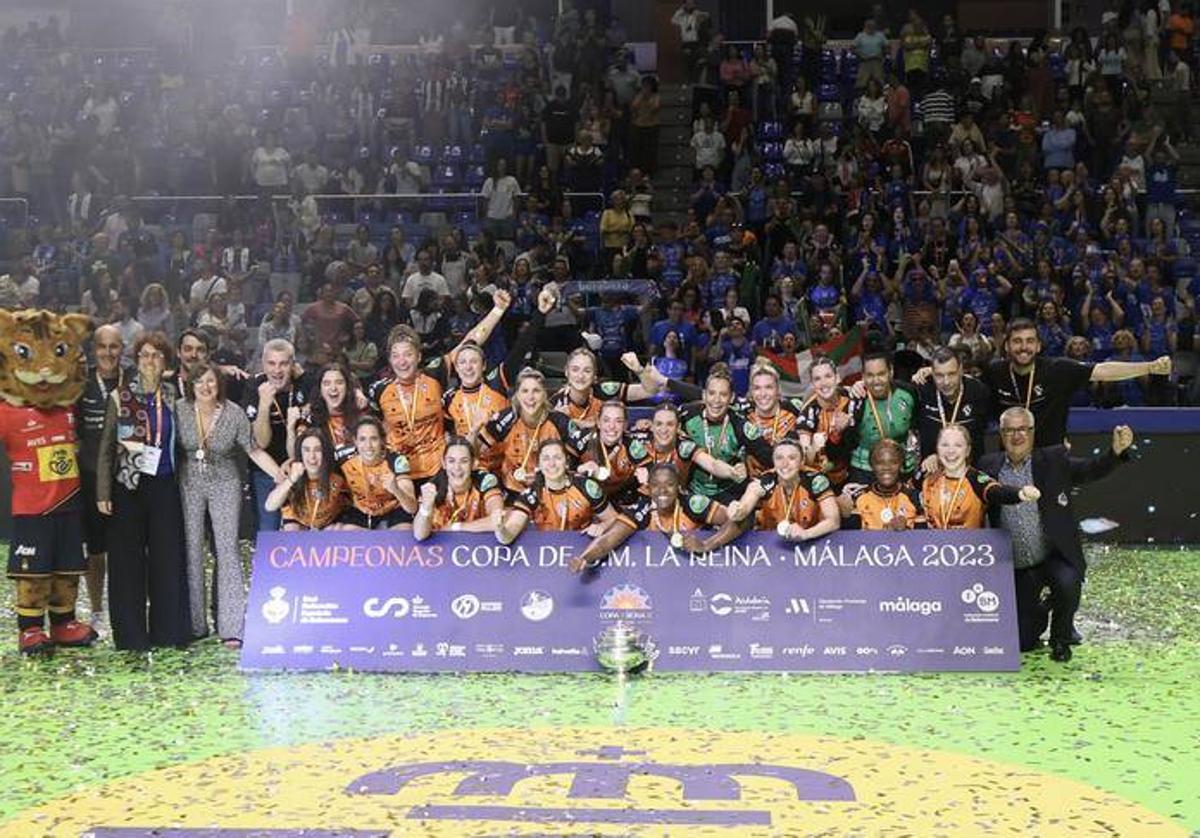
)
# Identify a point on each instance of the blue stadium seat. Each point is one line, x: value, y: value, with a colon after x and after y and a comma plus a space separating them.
x: 445, y: 176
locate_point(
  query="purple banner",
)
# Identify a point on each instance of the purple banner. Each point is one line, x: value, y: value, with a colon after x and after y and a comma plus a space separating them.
x: 857, y: 601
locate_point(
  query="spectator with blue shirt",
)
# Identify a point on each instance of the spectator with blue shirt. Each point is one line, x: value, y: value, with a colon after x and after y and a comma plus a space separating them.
x: 768, y: 333
x: 733, y: 349
x: 1161, y: 180
x: 613, y: 322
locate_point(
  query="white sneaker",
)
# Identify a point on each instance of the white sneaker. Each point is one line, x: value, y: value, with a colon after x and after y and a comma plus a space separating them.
x: 99, y: 622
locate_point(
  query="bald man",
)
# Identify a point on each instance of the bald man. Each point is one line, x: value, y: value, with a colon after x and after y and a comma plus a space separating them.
x: 103, y: 378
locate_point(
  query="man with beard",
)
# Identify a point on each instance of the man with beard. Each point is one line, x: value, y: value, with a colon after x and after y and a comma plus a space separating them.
x: 1044, y: 386
x: 950, y: 398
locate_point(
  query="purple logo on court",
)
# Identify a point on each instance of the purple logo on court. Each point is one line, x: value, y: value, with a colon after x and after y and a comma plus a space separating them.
x: 605, y: 780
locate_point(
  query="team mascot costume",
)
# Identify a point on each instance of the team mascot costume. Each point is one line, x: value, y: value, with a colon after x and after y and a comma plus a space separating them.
x: 41, y: 378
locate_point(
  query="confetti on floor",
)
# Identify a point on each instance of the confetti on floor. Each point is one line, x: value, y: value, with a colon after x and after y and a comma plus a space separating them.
x: 181, y: 743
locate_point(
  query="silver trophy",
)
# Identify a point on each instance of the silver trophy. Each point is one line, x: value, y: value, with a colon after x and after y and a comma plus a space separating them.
x: 622, y: 649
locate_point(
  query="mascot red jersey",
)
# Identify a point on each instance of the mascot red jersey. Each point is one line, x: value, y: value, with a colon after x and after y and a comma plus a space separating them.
x: 41, y: 378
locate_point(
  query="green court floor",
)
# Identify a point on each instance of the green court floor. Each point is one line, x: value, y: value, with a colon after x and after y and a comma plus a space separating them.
x: 1120, y: 718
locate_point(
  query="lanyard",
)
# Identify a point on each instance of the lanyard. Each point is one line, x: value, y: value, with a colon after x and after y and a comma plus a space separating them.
x: 104, y: 391
x: 708, y: 443
x: 158, y: 416
x: 674, y: 522
x: 533, y: 439
x: 473, y: 412
x: 942, y: 411
x: 1028, y: 389
x: 878, y: 421
x: 408, y: 409
x: 791, y: 502
x: 954, y: 497
x: 312, y: 518
x: 203, y: 433
x: 454, y: 500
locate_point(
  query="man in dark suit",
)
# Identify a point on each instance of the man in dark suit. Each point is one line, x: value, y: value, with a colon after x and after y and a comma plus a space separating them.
x: 1045, y: 538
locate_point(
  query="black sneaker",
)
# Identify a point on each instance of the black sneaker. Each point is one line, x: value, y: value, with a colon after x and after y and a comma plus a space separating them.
x: 1060, y: 651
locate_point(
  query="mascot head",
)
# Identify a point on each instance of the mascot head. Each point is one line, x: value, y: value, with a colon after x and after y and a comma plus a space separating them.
x: 41, y: 357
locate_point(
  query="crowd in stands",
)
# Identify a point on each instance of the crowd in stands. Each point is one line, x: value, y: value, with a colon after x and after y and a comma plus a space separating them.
x: 926, y: 184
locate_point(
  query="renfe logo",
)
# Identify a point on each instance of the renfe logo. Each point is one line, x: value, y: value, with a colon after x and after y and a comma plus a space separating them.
x: 904, y: 605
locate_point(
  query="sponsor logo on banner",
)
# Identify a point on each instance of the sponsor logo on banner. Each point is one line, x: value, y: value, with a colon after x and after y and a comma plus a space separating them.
x: 986, y: 604
x: 626, y: 602
x: 684, y: 651
x: 537, y: 606
x: 759, y: 651
x: 993, y: 650
x: 905, y: 605
x: 444, y: 649
x: 489, y: 650
x: 896, y: 650
x: 398, y: 607
x: 757, y: 608
x: 276, y: 609
x: 797, y: 606
x: 717, y: 652
x: 528, y: 651
x: 468, y: 605
x: 798, y: 651
x: 835, y: 651
x: 419, y: 651
x: 697, y: 602
x: 964, y: 651
x: 567, y: 651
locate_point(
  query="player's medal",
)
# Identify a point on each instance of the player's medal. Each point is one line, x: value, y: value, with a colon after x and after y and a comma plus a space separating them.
x: 519, y: 474
x: 676, y: 540
x: 886, y: 515
x: 783, y: 528
x: 200, y: 455
x: 602, y: 473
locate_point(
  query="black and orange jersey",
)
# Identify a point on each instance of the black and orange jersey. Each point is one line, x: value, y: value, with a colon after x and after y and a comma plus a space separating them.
x: 412, y: 416
x: 339, y: 433
x: 691, y: 512
x: 774, y: 428
x: 315, y: 510
x: 875, y: 509
x: 588, y: 413
x: 468, y: 409
x: 958, y: 503
x: 622, y: 460
x: 468, y: 506
x: 368, y: 483
x: 798, y: 505
x: 518, y: 443
x: 571, y: 508
x: 682, y: 455
x: 814, y: 417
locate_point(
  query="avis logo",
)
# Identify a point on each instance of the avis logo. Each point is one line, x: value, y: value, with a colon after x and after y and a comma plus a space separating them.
x: 606, y: 781
x: 396, y: 606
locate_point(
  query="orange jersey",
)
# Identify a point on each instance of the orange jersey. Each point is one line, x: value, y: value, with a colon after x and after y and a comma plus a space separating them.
x: 517, y: 443
x: 466, y: 507
x: 799, y: 505
x: 315, y: 511
x: 774, y: 428
x: 412, y: 415
x: 588, y: 413
x: 682, y: 456
x: 960, y: 503
x: 368, y: 484
x: 875, y: 510
x: 691, y: 512
x: 339, y: 433
x: 572, y: 508
x: 623, y: 459
x: 815, y: 417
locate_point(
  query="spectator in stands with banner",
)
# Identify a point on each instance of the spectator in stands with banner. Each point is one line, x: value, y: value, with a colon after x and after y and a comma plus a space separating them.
x: 459, y: 497
x: 1046, y: 549
x: 314, y: 495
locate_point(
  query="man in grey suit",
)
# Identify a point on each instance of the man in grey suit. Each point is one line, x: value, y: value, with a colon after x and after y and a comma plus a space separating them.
x: 1046, y: 549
